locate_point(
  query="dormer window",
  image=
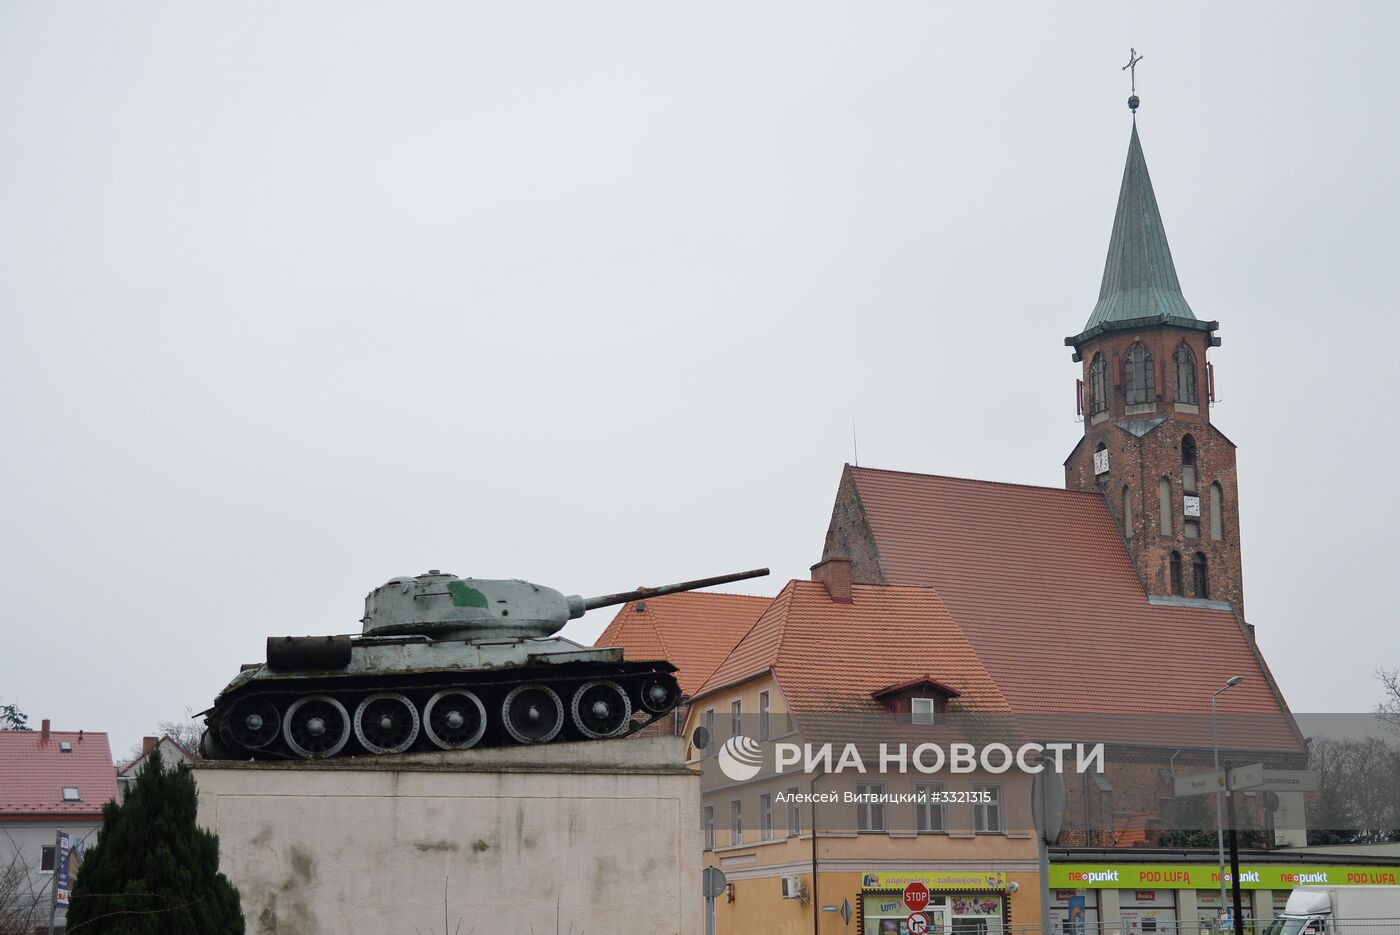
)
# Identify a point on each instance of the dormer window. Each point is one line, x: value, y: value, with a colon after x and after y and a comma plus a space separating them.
x: 70, y: 794
x: 924, y: 709
x: 922, y: 700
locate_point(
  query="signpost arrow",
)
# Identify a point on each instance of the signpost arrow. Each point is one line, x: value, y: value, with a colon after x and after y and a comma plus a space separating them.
x: 1292, y: 780
x: 1247, y: 777
x: 1200, y: 784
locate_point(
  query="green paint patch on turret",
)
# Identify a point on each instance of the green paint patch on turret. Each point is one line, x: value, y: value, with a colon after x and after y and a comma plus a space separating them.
x: 463, y: 595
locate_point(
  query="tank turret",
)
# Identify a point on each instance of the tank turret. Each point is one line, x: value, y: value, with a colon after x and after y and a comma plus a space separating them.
x: 444, y: 663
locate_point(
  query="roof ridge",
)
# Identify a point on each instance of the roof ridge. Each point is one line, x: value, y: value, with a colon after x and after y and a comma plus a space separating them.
x: 784, y: 595
x: 977, y: 480
x: 656, y: 632
x: 644, y: 597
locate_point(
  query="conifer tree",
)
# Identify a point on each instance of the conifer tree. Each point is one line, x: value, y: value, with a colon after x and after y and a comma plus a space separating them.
x: 152, y: 870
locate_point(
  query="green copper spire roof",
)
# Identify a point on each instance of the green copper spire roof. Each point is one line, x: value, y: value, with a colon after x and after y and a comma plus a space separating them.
x: 1139, y: 280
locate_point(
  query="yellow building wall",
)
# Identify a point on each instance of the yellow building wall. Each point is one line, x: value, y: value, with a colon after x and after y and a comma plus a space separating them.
x: 755, y: 868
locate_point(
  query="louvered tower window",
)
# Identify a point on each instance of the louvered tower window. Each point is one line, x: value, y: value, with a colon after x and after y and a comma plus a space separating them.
x: 1176, y: 573
x: 1098, y: 385
x: 1185, y: 365
x: 1198, y: 575
x: 1138, y: 377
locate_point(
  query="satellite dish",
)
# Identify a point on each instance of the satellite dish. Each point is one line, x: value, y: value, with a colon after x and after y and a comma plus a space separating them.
x: 701, y: 737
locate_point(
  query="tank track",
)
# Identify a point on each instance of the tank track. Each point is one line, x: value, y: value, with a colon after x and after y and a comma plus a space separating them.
x: 321, y: 716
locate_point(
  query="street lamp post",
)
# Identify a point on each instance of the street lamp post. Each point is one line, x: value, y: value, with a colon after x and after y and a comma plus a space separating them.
x: 1219, y: 818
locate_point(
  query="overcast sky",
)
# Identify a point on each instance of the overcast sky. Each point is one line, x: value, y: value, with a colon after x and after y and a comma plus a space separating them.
x: 298, y: 297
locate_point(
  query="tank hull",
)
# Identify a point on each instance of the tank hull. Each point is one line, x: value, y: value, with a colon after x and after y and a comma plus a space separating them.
x: 398, y: 694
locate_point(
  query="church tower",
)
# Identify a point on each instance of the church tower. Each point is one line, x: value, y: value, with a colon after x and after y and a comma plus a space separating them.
x: 1149, y: 446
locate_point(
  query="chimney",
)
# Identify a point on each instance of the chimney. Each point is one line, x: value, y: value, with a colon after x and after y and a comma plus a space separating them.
x: 44, y: 731
x: 148, y: 744
x: 835, y: 573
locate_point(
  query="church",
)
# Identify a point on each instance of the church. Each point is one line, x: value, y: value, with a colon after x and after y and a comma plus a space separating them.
x: 1111, y: 610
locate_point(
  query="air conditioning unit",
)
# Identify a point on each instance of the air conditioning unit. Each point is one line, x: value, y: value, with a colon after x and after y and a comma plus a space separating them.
x: 792, y: 887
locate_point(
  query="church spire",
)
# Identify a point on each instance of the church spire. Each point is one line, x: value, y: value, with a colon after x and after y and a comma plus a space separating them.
x: 1139, y: 285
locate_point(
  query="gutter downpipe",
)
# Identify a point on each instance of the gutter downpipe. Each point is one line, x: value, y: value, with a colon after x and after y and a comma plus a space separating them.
x: 816, y: 906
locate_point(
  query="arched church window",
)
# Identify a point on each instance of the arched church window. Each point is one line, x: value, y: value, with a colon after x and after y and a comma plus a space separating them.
x: 1185, y: 366
x: 1098, y: 385
x: 1217, y: 521
x: 1198, y: 575
x: 1164, y: 506
x: 1188, y: 464
x: 1176, y: 573
x: 1138, y: 375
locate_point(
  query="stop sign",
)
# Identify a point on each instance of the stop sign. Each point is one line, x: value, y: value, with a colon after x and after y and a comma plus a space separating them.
x: 916, y: 897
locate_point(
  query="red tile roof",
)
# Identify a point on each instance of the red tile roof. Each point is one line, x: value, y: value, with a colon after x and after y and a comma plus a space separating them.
x: 831, y: 656
x: 693, y: 630
x: 1039, y: 580
x: 33, y: 772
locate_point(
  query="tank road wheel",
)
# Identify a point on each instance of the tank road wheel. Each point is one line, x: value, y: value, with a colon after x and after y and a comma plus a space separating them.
x: 601, y: 709
x: 253, y: 723
x: 659, y: 695
x: 454, y: 720
x: 316, y: 726
x: 386, y: 722
x: 533, y: 713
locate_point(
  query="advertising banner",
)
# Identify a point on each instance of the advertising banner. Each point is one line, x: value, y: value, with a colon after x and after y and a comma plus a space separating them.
x: 935, y: 880
x: 1076, y: 915
x: 1207, y: 876
x: 68, y: 854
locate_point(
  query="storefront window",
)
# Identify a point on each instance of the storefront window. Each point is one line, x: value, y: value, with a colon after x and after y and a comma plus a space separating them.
x: 1208, y: 915
x: 975, y: 914
x: 1068, y: 907
x: 1148, y: 912
x: 886, y: 914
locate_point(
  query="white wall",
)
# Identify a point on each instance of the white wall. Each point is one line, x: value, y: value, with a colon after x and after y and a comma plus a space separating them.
x: 22, y: 843
x: 606, y: 831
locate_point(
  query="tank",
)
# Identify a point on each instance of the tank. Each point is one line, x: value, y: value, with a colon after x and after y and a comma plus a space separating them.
x: 444, y: 663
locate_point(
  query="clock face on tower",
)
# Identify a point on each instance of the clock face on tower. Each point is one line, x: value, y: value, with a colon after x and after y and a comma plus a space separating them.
x: 1193, y: 506
x: 1101, y: 462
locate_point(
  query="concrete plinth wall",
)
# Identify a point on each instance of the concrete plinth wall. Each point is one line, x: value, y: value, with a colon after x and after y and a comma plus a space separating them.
x: 605, y: 835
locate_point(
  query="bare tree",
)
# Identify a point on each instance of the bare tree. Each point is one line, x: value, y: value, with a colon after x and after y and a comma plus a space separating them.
x: 23, y: 903
x: 187, y: 733
x: 1389, y: 708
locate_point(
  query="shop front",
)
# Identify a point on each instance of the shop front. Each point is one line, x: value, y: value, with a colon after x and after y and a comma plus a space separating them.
x: 1162, y: 898
x: 959, y: 903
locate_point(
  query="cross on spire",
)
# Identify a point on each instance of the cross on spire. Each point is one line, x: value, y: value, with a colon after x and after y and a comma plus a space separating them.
x: 1131, y: 68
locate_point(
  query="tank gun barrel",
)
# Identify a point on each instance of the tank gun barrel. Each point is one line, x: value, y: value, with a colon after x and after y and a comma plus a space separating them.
x: 622, y: 597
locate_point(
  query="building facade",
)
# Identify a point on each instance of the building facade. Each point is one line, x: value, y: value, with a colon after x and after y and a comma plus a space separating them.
x: 50, y: 782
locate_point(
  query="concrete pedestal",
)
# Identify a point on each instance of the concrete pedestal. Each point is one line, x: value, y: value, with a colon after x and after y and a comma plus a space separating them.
x: 595, y: 838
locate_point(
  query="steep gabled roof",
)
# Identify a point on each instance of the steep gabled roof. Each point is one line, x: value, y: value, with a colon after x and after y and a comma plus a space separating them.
x: 694, y: 630
x: 833, y: 656
x: 34, y: 771
x: 171, y: 750
x: 1139, y: 284
x: 1039, y: 580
